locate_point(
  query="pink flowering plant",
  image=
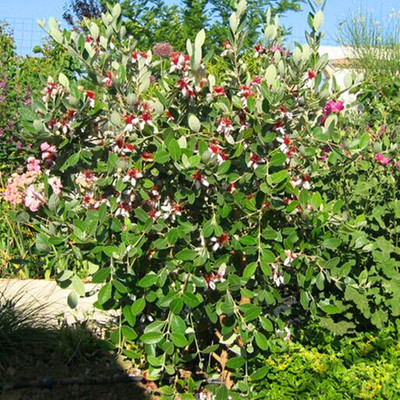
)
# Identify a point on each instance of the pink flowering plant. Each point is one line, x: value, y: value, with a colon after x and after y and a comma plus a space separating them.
x: 209, y: 209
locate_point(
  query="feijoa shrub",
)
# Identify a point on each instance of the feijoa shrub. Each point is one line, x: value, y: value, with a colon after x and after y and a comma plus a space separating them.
x: 210, y: 209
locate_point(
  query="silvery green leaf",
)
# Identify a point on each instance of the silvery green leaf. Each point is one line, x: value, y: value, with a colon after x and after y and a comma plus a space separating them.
x: 189, y: 47
x: 270, y: 74
x: 94, y: 30
x: 116, y: 119
x: 197, y: 58
x: 281, y: 67
x: 348, y: 80
x: 38, y: 125
x: 296, y: 56
x: 277, y: 56
x: 41, y: 23
x: 200, y: 38
x: 104, y: 19
x: 103, y: 42
x: 90, y: 50
x: 53, y: 24
x: 116, y: 11
x: 194, y: 123
x: 318, y: 20
x: 122, y: 32
x: 270, y: 32
x: 233, y: 23
x: 241, y: 7
x: 63, y: 80
x: 268, y: 15
x: 211, y: 81
x: 182, y: 142
x: 158, y: 107
x: 306, y: 53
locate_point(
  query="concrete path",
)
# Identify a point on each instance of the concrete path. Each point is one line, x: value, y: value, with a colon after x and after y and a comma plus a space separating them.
x: 53, y: 299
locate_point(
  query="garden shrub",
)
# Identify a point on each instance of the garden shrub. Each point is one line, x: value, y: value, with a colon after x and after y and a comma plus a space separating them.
x: 214, y: 210
x: 328, y: 368
x: 11, y: 146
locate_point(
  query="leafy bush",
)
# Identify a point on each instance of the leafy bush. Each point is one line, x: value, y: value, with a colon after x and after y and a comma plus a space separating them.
x: 11, y: 146
x: 214, y: 210
x: 374, y: 45
x: 361, y: 367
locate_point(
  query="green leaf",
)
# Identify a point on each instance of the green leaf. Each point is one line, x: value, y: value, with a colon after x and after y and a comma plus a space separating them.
x: 236, y: 362
x: 179, y: 340
x: 186, y: 255
x: 248, y: 240
x: 161, y: 156
x: 148, y: 280
x: 138, y: 306
x: 128, y: 333
x: 250, y: 311
x: 250, y: 270
x: 330, y: 308
x: 278, y: 177
x: 194, y: 123
x: 42, y: 242
x: 105, y: 293
x: 78, y: 286
x: 73, y: 299
x: 101, y: 275
x: 332, y: 243
x: 260, y: 374
x: 191, y: 299
x: 261, y: 341
x: 174, y: 150
x: 151, y: 337
x: 70, y: 162
x: 318, y: 20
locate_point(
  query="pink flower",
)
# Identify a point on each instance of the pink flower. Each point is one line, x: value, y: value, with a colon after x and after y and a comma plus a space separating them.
x: 48, y: 151
x: 382, y: 159
x: 33, y: 164
x: 56, y: 185
x: 333, y: 107
x: 398, y: 165
x: 33, y: 198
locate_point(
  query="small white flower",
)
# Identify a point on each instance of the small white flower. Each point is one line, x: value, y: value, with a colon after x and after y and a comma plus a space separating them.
x: 290, y: 257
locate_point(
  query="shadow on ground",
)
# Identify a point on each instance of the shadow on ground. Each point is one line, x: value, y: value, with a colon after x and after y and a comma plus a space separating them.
x: 63, y: 363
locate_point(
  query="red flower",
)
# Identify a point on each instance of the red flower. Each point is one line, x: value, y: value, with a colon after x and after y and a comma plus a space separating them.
x: 219, y: 91
x: 311, y: 74
x: 148, y: 157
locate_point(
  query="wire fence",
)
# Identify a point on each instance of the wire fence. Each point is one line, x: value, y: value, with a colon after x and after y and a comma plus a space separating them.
x: 27, y: 35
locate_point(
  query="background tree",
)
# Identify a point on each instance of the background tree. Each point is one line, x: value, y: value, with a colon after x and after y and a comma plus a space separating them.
x: 154, y: 21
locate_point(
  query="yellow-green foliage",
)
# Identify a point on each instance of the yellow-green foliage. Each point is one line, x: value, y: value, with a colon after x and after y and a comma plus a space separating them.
x: 362, y: 367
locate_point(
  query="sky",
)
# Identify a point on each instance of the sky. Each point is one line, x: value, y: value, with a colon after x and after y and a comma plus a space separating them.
x: 22, y: 16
